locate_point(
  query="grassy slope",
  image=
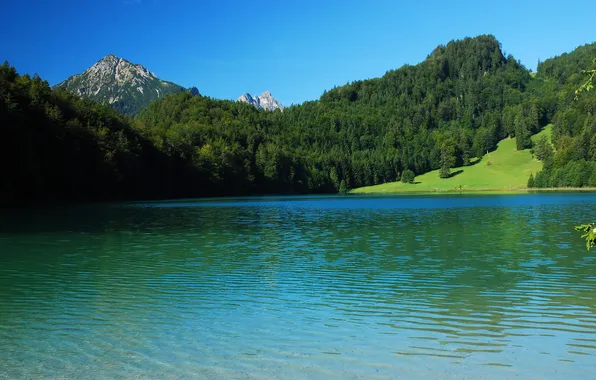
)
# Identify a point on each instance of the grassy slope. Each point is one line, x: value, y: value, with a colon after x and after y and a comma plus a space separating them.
x: 508, y: 169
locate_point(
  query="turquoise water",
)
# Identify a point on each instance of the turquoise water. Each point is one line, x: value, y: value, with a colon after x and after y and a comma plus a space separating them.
x: 472, y: 287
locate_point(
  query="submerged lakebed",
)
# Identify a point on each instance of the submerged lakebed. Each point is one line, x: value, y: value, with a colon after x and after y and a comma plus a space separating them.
x: 404, y: 287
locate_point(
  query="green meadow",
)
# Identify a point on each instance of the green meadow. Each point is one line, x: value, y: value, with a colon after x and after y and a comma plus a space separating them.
x: 505, y: 169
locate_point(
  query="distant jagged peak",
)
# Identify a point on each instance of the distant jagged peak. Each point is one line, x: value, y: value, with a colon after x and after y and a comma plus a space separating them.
x: 265, y: 101
x: 246, y: 97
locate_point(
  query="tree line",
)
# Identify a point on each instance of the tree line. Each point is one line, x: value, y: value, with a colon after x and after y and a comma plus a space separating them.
x: 455, y: 105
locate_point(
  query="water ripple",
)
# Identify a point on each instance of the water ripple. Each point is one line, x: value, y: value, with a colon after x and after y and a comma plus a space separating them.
x: 358, y: 287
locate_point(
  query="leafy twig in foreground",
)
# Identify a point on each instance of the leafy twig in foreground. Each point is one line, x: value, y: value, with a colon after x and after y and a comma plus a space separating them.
x: 590, y: 234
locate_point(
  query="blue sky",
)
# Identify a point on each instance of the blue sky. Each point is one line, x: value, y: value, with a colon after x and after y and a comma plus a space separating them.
x: 295, y: 49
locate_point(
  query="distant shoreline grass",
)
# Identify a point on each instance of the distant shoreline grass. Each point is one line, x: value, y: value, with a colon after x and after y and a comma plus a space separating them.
x: 521, y: 190
x: 503, y: 170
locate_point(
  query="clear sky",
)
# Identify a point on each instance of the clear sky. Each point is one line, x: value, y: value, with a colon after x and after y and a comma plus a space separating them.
x: 295, y: 49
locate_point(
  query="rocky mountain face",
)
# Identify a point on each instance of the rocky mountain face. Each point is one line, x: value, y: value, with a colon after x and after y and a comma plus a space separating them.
x: 125, y: 86
x: 265, y: 101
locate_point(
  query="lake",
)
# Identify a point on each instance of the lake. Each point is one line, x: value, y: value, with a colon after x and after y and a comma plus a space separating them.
x: 392, y: 287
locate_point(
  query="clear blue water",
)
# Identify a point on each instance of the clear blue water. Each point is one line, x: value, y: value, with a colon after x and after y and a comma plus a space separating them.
x: 411, y: 287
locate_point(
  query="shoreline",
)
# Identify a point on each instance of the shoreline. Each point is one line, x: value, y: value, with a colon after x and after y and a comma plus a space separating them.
x: 520, y: 190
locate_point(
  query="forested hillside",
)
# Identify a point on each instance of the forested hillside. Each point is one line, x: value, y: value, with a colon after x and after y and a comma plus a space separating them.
x: 455, y: 105
x: 574, y: 125
x: 55, y: 146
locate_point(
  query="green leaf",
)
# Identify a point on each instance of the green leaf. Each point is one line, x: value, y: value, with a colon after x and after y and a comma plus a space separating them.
x: 590, y: 234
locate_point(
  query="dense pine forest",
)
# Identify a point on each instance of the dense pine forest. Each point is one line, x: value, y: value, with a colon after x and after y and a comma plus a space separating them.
x: 455, y: 105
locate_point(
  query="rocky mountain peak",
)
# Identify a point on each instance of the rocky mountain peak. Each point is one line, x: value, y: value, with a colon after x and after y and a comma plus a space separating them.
x: 125, y: 86
x: 109, y: 58
x: 265, y: 101
x: 246, y: 97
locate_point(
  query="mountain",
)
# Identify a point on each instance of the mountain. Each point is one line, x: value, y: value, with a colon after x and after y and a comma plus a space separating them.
x: 124, y: 86
x: 264, y: 102
x: 437, y: 115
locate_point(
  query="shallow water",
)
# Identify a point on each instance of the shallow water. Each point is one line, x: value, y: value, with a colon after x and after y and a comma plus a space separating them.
x: 411, y: 287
